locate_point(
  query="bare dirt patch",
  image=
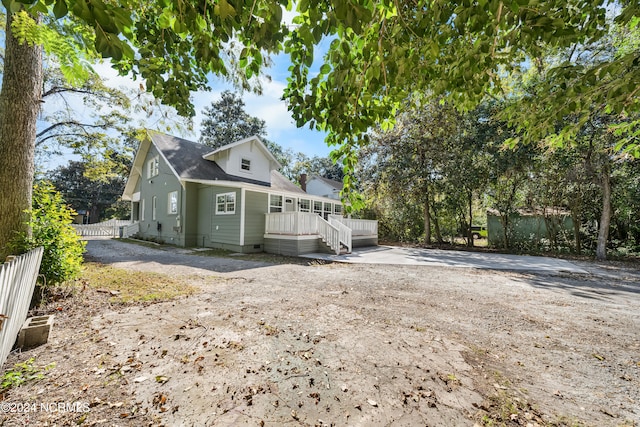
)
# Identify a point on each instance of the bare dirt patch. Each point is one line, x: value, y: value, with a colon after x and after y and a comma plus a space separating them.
x: 334, y: 344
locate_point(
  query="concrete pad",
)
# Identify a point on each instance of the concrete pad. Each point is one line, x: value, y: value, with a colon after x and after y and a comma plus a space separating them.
x: 437, y: 257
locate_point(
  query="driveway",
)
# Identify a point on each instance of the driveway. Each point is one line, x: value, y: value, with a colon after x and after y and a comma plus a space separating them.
x: 393, y: 255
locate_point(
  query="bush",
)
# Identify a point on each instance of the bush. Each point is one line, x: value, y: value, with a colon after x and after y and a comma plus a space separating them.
x: 50, y: 224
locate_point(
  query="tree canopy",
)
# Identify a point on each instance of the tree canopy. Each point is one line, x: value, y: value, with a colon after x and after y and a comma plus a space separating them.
x: 226, y: 121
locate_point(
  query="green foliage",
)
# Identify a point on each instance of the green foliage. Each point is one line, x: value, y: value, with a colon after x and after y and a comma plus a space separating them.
x: 21, y: 373
x: 82, y: 189
x: 226, y: 121
x: 50, y: 225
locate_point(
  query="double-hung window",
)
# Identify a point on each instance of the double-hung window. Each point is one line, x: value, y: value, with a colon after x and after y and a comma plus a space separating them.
x: 275, y: 203
x: 225, y: 203
x: 152, y: 167
x: 245, y: 165
x: 172, y: 203
x: 317, y: 207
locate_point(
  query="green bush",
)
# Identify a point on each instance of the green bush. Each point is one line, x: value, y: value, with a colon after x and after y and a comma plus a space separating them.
x: 50, y: 224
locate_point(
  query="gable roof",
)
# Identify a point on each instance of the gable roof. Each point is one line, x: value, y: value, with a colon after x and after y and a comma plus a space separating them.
x: 186, y: 160
x: 336, y: 185
x: 211, y: 155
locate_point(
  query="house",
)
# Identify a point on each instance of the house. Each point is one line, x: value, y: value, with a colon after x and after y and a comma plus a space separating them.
x: 323, y: 187
x: 232, y: 197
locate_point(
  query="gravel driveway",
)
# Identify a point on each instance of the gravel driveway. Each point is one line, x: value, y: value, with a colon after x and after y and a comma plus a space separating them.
x: 369, y: 345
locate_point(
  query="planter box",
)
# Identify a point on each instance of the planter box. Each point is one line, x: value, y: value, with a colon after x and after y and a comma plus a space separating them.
x: 35, y: 332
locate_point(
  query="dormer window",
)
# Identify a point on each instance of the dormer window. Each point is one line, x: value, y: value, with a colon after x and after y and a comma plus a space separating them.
x: 245, y: 165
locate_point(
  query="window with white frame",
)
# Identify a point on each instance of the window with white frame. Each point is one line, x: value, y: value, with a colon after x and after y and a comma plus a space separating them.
x: 275, y: 203
x: 327, y: 210
x: 152, y: 167
x: 317, y: 207
x: 337, y: 209
x: 225, y: 203
x: 245, y: 165
x: 172, y: 203
x: 305, y: 205
x: 154, y: 206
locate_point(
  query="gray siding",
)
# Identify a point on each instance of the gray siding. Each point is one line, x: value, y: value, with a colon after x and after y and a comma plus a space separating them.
x: 292, y: 247
x: 165, y: 227
x: 256, y: 206
x: 218, y: 231
x: 190, y: 214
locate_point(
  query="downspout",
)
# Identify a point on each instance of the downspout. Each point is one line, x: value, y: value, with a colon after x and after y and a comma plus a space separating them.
x: 242, y: 215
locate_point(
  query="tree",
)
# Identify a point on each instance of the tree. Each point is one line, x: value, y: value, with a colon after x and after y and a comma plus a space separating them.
x: 324, y: 167
x: 589, y: 116
x: 83, y: 193
x: 463, y: 50
x: 226, y: 121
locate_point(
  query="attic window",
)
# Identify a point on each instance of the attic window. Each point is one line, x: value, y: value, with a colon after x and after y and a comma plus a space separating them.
x: 152, y: 167
x: 245, y: 164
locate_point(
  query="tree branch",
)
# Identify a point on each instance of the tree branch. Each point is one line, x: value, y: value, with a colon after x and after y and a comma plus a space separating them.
x: 67, y: 123
x: 61, y: 89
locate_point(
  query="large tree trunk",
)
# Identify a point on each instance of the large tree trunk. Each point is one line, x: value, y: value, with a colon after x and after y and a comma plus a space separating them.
x: 20, y: 99
x: 605, y: 217
x: 427, y: 221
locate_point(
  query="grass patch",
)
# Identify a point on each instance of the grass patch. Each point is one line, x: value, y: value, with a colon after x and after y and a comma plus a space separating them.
x: 22, y: 373
x: 126, y: 286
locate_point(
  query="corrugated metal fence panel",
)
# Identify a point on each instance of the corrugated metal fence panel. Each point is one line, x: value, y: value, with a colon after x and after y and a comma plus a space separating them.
x: 17, y: 281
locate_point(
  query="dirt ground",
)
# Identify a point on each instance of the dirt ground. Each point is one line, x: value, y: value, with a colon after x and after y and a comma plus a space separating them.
x: 337, y: 344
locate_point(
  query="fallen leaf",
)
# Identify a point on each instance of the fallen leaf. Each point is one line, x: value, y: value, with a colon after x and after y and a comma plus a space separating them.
x: 372, y: 403
x: 140, y: 379
x: 161, y: 379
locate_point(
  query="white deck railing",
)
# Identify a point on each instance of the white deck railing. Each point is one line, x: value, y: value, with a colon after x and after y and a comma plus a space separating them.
x: 344, y: 233
x: 359, y: 227
x: 330, y: 234
x: 292, y: 223
x: 17, y: 281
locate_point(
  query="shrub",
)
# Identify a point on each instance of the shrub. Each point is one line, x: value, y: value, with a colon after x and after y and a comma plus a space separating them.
x: 50, y: 224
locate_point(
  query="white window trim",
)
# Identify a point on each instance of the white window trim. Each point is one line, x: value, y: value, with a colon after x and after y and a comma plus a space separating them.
x: 274, y: 206
x: 226, y: 203
x: 308, y: 209
x: 169, y: 211
x: 142, y: 210
x: 313, y: 207
x: 243, y: 159
x: 154, y: 208
x: 153, y: 167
